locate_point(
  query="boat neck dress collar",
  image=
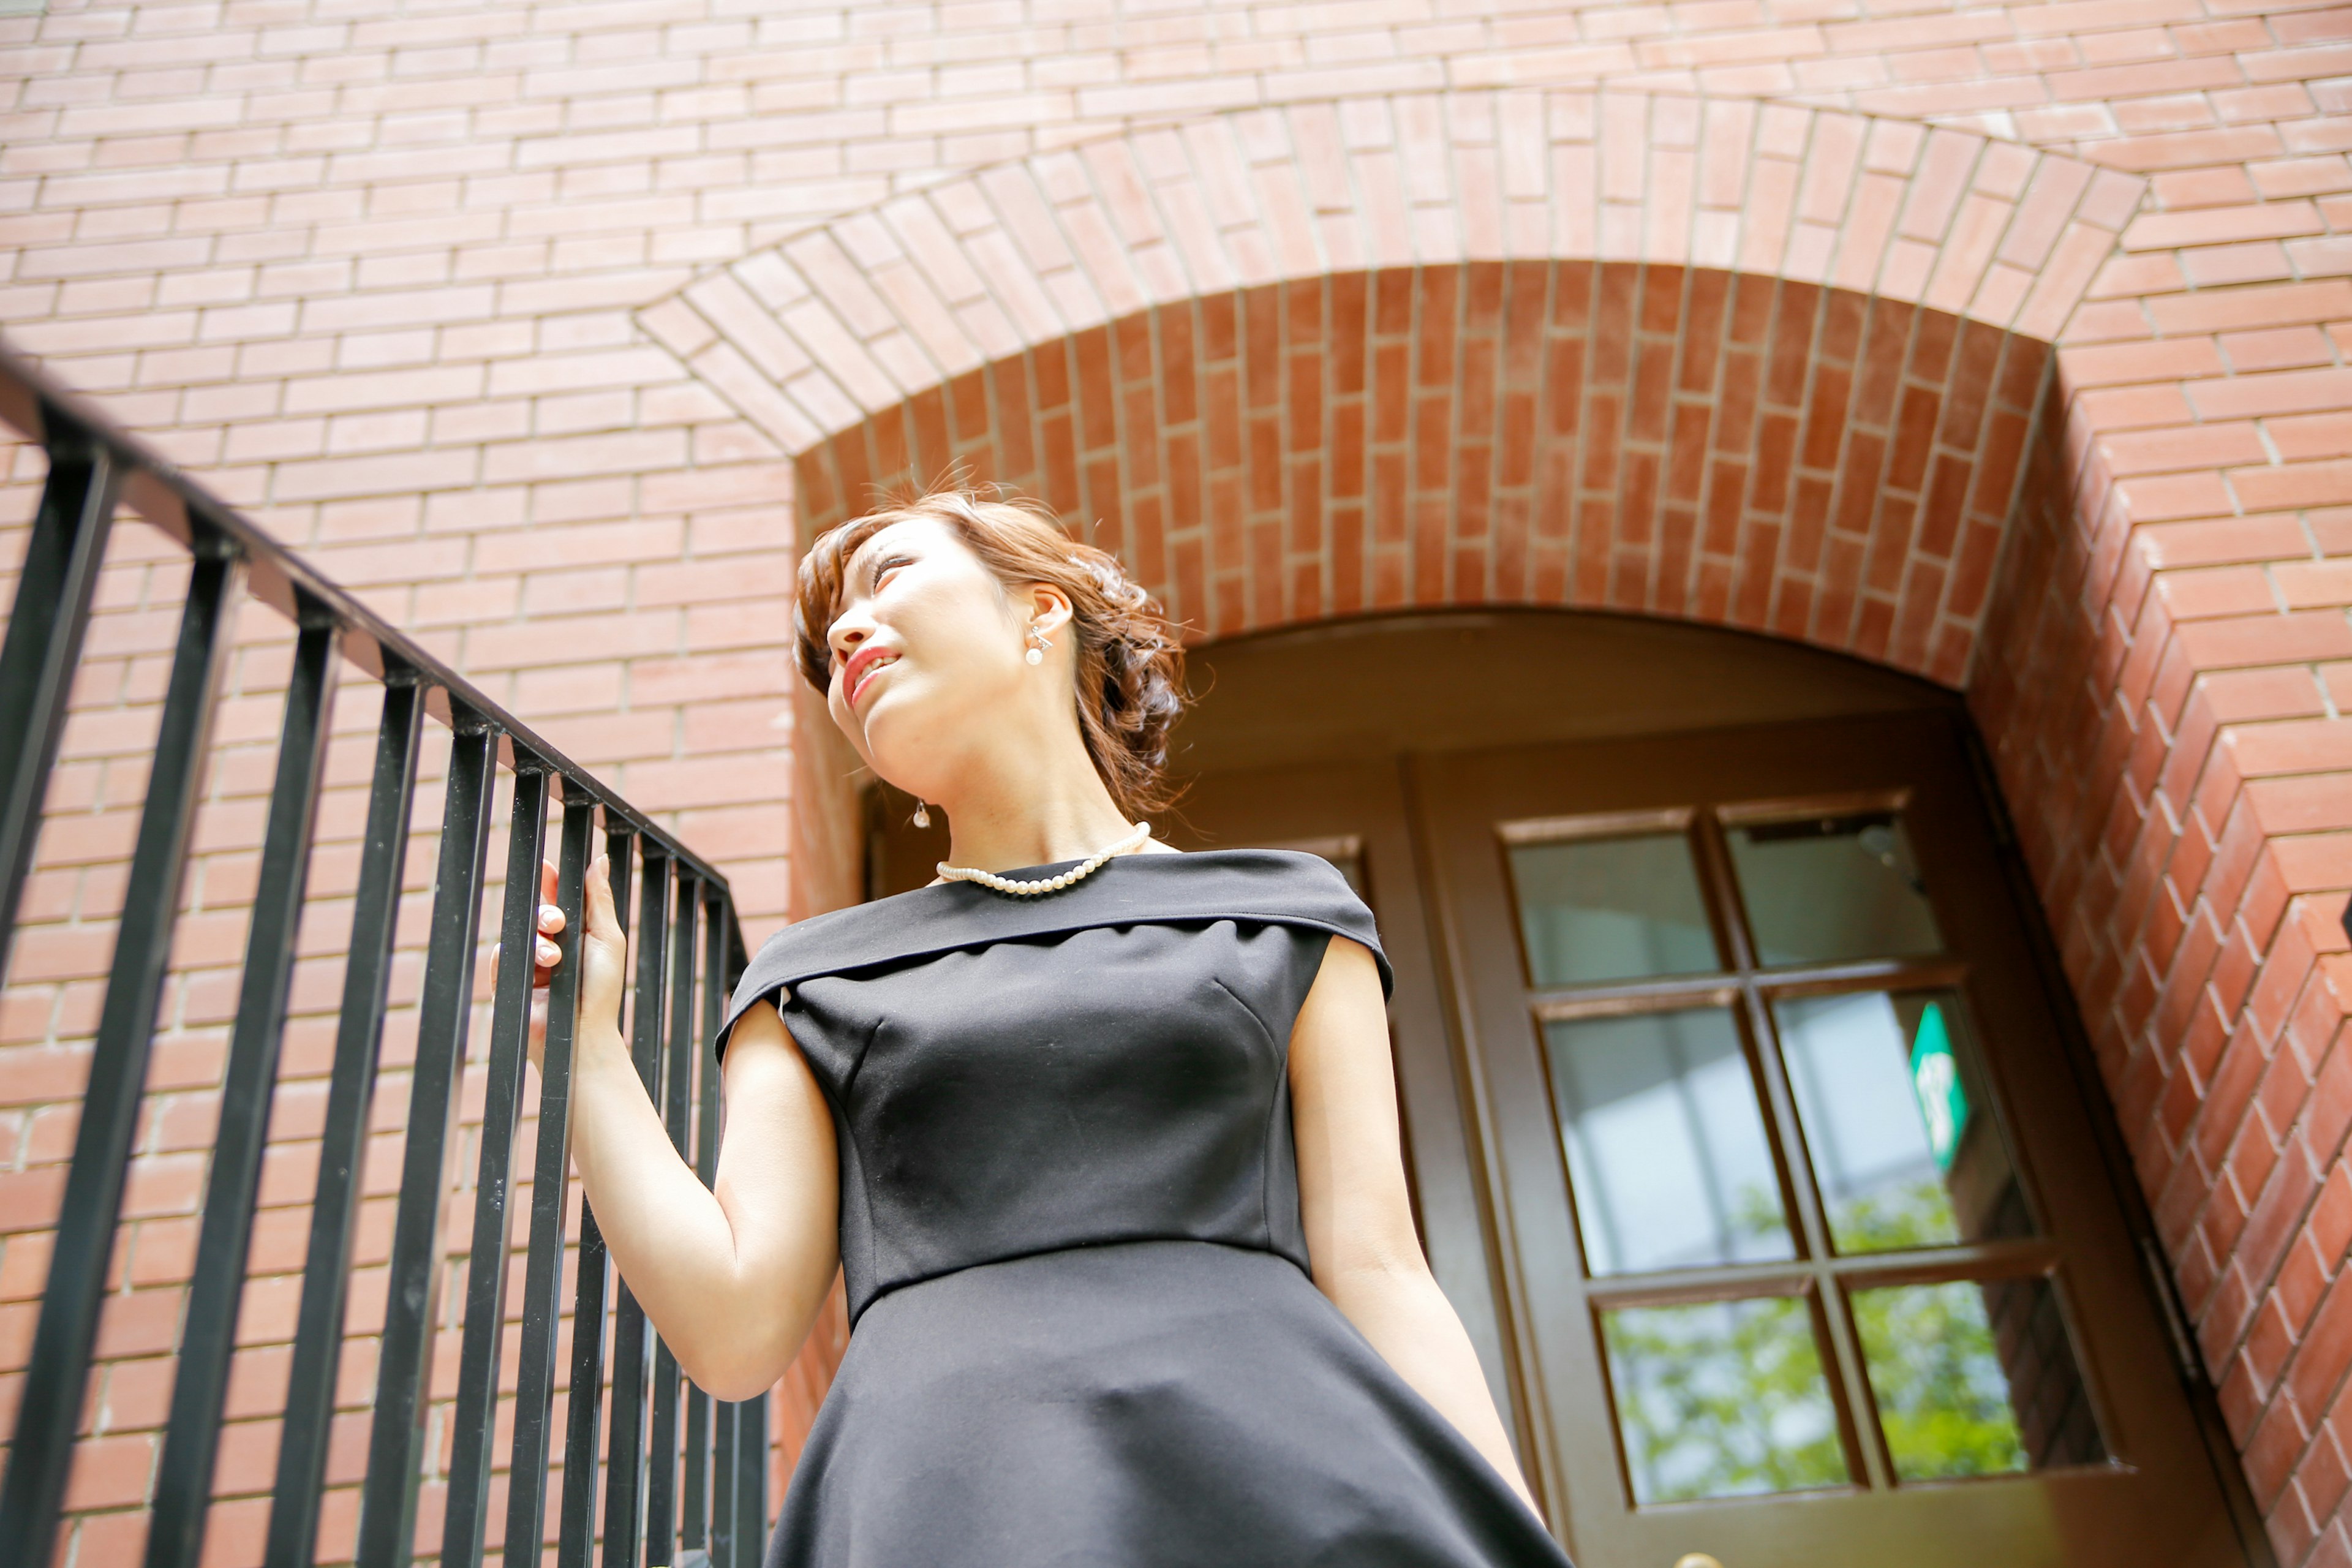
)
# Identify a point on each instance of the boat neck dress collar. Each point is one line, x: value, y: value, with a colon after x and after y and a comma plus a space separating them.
x: 1278, y: 887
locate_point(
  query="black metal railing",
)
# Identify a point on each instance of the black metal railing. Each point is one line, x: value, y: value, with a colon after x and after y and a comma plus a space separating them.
x: 682, y: 1474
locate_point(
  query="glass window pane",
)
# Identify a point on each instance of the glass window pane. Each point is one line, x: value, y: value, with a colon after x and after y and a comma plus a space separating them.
x: 1975, y: 1378
x: 1823, y: 888
x: 1898, y: 1120
x: 1722, y: 1399
x: 1666, y: 1151
x: 1611, y: 908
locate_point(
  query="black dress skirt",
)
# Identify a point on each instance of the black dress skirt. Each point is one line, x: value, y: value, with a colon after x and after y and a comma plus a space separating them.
x: 1084, y: 1331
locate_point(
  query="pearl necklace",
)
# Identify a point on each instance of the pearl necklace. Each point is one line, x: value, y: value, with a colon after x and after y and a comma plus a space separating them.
x: 1047, y: 884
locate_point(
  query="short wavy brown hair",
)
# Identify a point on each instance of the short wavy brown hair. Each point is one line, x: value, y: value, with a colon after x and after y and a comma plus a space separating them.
x: 1130, y: 666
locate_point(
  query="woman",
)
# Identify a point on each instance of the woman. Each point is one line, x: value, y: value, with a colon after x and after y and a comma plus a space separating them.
x: 1102, y: 1136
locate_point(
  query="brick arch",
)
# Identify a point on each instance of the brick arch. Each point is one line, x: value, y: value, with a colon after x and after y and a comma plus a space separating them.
x: 1733, y: 360
x: 1679, y: 441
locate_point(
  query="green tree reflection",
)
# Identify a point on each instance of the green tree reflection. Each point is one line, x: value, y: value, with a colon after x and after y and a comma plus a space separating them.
x: 1936, y: 1373
x: 1725, y: 1399
x: 1721, y: 1398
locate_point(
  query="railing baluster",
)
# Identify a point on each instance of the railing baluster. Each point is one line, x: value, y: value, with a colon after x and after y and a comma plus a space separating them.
x: 486, y: 1263
x: 57, y: 1372
x: 750, y: 1416
x: 350, y: 1094
x: 44, y: 644
x: 388, y: 1533
x: 694, y: 1513
x: 184, y: 1481
x: 661, y: 1472
x: 551, y: 1176
x: 751, y: 1481
x: 701, y: 1433
x: 625, y: 1450
x: 723, y: 1475
x: 585, y: 1406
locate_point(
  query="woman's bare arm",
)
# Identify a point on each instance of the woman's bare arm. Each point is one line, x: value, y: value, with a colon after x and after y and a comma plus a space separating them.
x: 1358, y: 1214
x: 731, y: 1277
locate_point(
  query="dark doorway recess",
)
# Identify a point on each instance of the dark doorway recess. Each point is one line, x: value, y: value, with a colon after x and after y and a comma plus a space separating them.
x: 1743, y: 1115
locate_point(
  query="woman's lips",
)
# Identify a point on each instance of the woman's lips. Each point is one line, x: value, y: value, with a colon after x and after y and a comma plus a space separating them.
x: 864, y: 665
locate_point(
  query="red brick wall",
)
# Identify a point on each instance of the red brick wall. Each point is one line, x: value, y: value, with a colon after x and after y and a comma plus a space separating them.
x: 492, y: 311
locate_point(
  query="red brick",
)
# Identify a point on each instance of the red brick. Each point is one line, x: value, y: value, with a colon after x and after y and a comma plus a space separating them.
x: 2293, y: 485
x: 2284, y: 392
x: 2240, y: 309
x: 2268, y: 639
x: 2169, y: 359
x: 2239, y: 696
x: 2219, y: 590
x: 110, y: 1472
x: 2220, y: 226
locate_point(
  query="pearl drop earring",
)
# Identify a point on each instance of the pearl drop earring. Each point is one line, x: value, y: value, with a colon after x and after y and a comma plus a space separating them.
x: 922, y: 817
x: 1037, y: 646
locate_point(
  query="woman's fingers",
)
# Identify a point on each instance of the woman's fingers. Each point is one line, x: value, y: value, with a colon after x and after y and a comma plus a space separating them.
x: 550, y: 923
x: 603, y: 950
x: 545, y: 954
x: 603, y: 922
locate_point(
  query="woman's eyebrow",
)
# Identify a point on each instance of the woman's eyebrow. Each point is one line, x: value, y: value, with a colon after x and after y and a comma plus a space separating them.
x: 859, y: 568
x: 870, y: 557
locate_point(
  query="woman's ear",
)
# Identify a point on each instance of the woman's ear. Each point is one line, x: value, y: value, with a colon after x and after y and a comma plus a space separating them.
x: 1049, y: 609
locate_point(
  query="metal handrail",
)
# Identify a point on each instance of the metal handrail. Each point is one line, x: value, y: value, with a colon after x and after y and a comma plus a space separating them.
x: 699, y: 1486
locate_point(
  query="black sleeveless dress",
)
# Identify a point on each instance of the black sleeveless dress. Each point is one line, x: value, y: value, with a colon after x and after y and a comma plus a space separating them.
x: 1084, y: 1328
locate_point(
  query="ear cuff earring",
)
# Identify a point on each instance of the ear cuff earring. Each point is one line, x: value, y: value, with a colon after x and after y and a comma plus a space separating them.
x: 1037, y: 646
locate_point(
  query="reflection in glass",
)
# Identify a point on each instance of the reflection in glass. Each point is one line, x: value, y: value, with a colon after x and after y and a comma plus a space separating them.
x: 1611, y: 908
x: 1823, y: 888
x: 1896, y: 1117
x: 1666, y: 1150
x: 1974, y: 1379
x: 1722, y: 1399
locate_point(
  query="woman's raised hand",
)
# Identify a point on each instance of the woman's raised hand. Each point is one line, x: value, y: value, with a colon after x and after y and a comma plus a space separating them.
x: 606, y: 948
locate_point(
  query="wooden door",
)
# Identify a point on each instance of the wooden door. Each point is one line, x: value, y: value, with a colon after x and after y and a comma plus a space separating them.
x: 1819, y: 1262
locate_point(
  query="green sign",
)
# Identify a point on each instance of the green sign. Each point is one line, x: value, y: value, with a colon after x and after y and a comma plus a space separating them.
x: 1936, y: 1079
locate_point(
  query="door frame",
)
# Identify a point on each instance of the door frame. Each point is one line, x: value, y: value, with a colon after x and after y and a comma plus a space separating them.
x: 1435, y: 782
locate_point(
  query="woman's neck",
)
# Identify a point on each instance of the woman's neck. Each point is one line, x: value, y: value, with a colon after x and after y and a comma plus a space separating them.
x: 1059, y: 812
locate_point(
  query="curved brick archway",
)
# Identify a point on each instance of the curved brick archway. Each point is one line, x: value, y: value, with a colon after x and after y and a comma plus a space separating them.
x: 831, y: 328
x: 1517, y: 346
x: 1680, y: 441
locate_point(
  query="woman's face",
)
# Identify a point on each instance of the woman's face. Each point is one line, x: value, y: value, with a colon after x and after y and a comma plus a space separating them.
x: 928, y: 667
